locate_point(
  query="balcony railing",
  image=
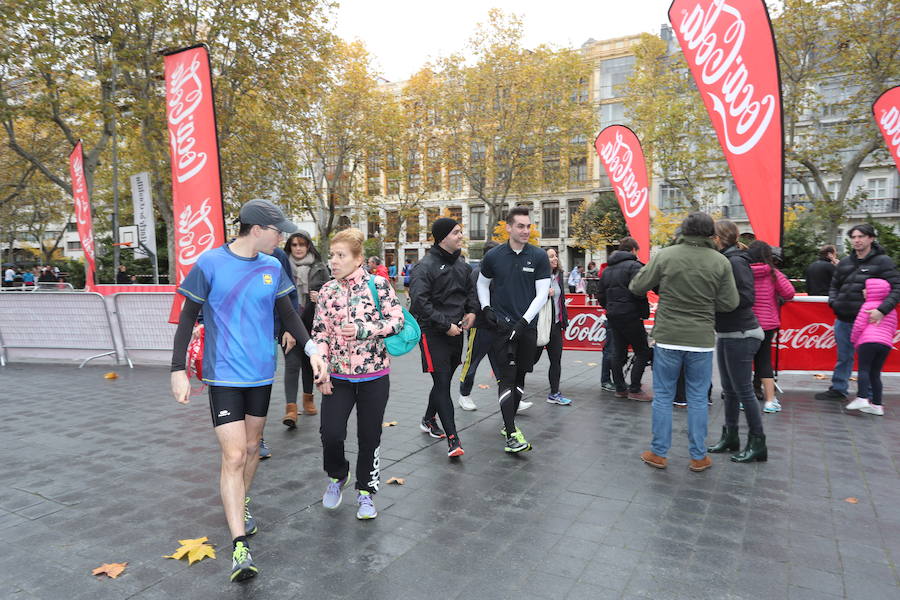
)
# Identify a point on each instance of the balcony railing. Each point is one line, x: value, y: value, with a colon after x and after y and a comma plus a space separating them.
x: 878, y: 206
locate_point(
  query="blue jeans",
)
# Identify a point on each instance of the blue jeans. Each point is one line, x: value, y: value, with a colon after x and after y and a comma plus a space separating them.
x: 667, y: 365
x: 608, y: 350
x: 840, y: 379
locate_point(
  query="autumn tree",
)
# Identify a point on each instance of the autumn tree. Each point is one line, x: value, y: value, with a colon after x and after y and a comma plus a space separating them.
x: 599, y: 223
x: 668, y: 115
x: 836, y: 57
x: 509, y: 111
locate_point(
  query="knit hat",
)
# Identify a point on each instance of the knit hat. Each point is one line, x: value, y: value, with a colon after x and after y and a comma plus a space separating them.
x: 442, y: 228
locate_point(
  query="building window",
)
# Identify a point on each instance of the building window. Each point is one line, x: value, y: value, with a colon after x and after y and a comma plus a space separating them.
x: 374, y: 184
x: 412, y: 228
x: 476, y: 223
x: 393, y: 226
x: 431, y: 215
x: 580, y: 94
x: 456, y: 181
x: 373, y: 224
x: 456, y: 213
x: 393, y: 185
x: 613, y: 74
x: 833, y: 188
x: 478, y: 152
x: 795, y: 194
x: 876, y: 187
x: 550, y: 220
x: 415, y: 182
x: 671, y: 198
x: 577, y: 170
x: 72, y: 227
x: 344, y: 223
x: 410, y: 254
x: 70, y: 246
x: 612, y: 114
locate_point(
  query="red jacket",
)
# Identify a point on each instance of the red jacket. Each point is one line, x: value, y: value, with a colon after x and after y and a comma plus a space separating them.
x: 768, y: 293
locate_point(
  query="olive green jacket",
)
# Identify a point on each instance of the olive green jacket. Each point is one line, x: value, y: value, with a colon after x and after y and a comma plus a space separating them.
x: 695, y: 282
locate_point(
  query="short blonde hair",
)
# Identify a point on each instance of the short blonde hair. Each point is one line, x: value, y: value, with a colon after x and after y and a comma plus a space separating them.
x: 352, y: 238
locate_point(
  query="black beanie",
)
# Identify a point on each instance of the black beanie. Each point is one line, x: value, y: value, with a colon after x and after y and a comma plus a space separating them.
x: 442, y: 228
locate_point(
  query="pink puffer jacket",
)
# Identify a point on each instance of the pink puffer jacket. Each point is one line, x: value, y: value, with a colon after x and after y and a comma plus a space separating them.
x: 874, y: 333
x: 768, y: 293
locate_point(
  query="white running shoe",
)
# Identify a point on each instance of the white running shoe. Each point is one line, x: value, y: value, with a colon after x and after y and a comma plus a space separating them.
x: 857, y: 404
x: 873, y: 409
x: 524, y: 405
x: 465, y: 403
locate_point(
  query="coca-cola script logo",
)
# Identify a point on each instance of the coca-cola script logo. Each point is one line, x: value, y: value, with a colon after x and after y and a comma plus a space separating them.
x: 82, y: 207
x: 812, y: 336
x: 586, y: 327
x: 617, y: 157
x: 718, y: 55
x: 890, y: 127
x: 196, y: 233
x: 185, y: 95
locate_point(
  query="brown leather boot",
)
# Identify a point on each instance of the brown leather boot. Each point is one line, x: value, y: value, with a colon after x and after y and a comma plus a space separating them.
x: 290, y: 415
x: 309, y: 406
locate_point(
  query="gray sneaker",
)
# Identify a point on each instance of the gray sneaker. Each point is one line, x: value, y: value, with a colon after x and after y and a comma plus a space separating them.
x: 249, y: 521
x: 608, y: 386
x: 366, y: 508
x: 333, y: 493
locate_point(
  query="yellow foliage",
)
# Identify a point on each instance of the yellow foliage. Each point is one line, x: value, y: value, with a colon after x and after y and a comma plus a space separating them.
x: 791, y: 214
x: 501, y: 235
x: 663, y: 226
x: 195, y: 550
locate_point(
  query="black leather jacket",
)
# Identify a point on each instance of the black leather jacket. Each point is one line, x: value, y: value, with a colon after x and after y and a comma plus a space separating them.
x: 441, y: 290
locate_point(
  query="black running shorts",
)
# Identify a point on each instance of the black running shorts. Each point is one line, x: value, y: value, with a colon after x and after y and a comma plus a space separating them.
x: 228, y: 404
x: 441, y: 353
x: 524, y: 351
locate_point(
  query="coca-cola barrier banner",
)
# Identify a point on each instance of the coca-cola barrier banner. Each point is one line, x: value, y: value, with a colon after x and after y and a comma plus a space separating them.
x: 887, y: 115
x: 806, y: 340
x: 587, y: 328
x: 194, y: 149
x: 621, y: 155
x: 82, y: 212
x: 730, y: 49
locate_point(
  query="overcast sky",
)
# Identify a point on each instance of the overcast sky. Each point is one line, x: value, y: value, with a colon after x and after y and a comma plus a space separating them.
x: 403, y: 34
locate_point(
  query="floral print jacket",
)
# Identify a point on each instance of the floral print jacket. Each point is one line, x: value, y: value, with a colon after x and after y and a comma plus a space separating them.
x: 349, y: 300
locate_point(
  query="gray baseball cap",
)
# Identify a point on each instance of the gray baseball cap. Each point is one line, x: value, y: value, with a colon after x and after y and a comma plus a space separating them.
x: 264, y: 213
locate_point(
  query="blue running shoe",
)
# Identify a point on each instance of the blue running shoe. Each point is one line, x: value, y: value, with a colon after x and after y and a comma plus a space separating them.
x: 558, y: 398
x: 366, y: 508
x: 333, y: 493
x: 264, y: 451
x: 249, y: 521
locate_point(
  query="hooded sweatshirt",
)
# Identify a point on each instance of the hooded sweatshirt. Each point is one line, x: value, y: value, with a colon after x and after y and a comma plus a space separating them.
x: 874, y: 333
x: 768, y: 293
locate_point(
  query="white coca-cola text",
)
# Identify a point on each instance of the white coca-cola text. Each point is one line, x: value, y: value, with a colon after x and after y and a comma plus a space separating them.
x: 617, y: 157
x: 745, y: 119
x: 196, y: 233
x: 890, y: 126
x: 82, y: 207
x: 586, y: 327
x: 812, y: 336
x: 185, y: 95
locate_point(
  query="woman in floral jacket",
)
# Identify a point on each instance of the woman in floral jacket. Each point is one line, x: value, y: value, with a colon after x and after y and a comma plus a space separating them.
x: 349, y: 331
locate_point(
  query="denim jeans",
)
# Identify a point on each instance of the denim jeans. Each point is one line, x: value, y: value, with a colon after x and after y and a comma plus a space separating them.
x: 606, y: 362
x: 667, y: 365
x: 735, y: 357
x: 840, y: 379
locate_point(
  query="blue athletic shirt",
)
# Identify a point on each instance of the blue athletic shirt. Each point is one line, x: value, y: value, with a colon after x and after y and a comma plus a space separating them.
x: 238, y: 297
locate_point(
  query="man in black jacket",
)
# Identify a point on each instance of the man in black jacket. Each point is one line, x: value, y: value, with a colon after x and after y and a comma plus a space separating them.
x: 625, y: 314
x: 820, y: 271
x: 443, y: 302
x: 845, y: 297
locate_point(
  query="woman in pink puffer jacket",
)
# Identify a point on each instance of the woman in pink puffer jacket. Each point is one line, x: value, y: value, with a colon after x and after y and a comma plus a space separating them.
x: 873, y: 343
x: 772, y: 288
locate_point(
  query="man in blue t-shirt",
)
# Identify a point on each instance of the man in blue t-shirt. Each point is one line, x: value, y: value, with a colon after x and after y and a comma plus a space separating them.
x: 521, y: 276
x: 239, y: 286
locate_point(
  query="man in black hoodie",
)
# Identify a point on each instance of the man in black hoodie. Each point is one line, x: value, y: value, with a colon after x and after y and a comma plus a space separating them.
x: 625, y: 314
x: 845, y: 297
x: 443, y: 302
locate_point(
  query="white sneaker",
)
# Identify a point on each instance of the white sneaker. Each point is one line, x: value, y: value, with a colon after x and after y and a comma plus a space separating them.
x: 772, y: 407
x: 465, y: 403
x: 873, y: 409
x: 857, y: 404
x: 524, y: 405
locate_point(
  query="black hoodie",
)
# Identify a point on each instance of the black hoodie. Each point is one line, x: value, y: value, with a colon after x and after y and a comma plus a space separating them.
x: 845, y: 296
x: 441, y: 290
x: 613, y: 293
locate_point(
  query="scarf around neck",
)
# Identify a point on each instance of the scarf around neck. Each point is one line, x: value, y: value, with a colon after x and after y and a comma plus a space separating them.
x: 300, y: 271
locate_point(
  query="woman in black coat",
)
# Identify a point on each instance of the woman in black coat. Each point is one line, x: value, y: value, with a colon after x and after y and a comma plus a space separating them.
x: 559, y: 323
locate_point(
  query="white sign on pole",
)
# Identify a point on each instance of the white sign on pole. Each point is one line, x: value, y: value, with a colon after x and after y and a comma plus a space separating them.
x: 143, y: 213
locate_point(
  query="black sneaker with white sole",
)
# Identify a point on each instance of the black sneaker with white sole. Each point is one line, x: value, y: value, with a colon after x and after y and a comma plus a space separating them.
x: 430, y: 427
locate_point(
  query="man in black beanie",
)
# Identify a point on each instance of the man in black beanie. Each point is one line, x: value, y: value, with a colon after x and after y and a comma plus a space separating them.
x: 443, y: 302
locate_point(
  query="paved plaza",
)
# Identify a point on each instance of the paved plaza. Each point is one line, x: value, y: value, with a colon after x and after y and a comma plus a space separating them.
x: 100, y: 471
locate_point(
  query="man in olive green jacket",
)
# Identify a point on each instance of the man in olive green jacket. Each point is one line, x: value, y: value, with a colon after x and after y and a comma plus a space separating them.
x: 695, y: 281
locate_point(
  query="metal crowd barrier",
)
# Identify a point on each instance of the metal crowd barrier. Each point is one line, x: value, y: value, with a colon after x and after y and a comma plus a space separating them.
x: 56, y: 320
x: 143, y: 321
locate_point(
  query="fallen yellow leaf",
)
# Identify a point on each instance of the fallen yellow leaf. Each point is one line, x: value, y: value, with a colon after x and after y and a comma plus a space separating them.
x: 578, y: 362
x: 111, y: 570
x: 389, y: 423
x: 853, y: 379
x: 396, y: 481
x: 483, y: 386
x: 592, y: 364
x: 819, y: 376
x: 195, y: 550
x: 852, y: 500
x: 111, y: 375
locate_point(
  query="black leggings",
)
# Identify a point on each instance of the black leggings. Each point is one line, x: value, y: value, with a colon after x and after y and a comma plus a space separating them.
x: 762, y: 360
x: 478, y: 345
x: 871, y: 359
x: 439, y: 401
x: 370, y: 399
x: 554, y: 351
x: 296, y: 362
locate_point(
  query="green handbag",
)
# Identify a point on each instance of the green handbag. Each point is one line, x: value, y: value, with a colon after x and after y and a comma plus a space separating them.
x: 408, y: 337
